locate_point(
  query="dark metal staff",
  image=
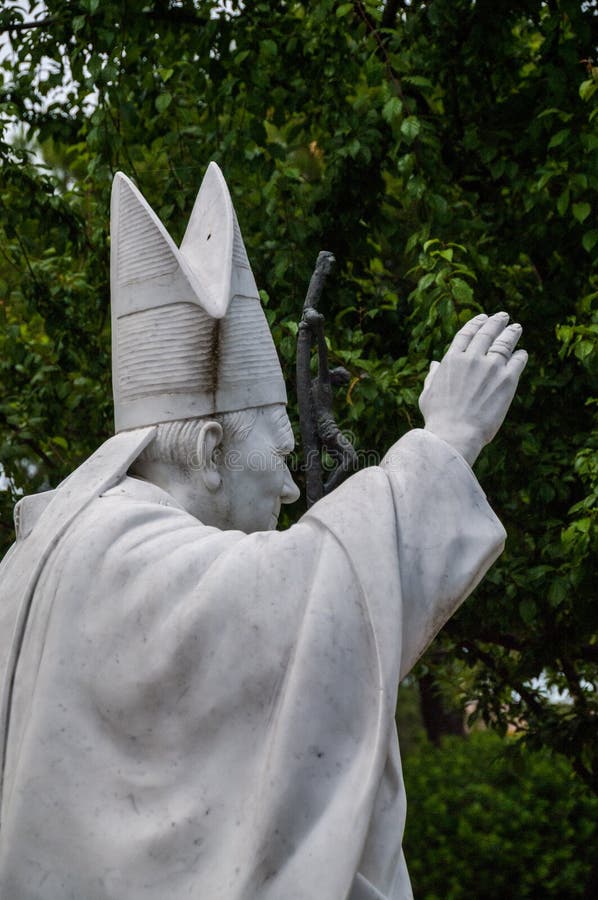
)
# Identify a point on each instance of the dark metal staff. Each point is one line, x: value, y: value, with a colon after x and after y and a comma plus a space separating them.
x: 319, y: 431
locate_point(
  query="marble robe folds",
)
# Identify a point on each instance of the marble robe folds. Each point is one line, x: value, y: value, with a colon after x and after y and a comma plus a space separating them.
x: 194, y: 713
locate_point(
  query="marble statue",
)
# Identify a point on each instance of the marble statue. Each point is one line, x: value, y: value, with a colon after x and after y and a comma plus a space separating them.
x: 195, y: 705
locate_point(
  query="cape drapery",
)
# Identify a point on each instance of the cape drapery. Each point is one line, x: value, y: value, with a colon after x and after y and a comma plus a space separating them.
x: 197, y: 713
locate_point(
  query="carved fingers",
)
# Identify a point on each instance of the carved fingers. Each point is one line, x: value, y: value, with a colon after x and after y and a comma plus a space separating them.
x: 491, y: 335
x: 503, y: 346
x: 433, y: 366
x: 488, y: 336
x: 465, y: 335
x: 490, y: 332
x: 517, y: 363
x: 467, y: 395
x: 484, y: 334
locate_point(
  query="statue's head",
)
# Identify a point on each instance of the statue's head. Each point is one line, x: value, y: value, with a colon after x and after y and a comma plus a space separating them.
x: 193, y: 354
x: 228, y: 470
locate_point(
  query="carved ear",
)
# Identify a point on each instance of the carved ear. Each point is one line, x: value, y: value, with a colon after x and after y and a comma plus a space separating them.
x: 208, y: 441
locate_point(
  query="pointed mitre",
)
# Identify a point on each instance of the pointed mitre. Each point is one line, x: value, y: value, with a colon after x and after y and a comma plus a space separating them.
x: 189, y: 335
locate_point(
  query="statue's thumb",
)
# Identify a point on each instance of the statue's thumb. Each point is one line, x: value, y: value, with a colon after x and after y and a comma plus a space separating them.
x: 433, y: 366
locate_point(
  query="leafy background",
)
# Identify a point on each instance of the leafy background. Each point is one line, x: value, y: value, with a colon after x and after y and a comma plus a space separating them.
x: 447, y: 153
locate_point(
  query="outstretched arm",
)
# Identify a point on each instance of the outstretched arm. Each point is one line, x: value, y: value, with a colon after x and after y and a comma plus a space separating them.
x: 467, y: 395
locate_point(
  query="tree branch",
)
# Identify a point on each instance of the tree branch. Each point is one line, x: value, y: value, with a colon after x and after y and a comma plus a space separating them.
x: 381, y: 51
x: 573, y: 685
x: 173, y: 16
x: 176, y: 16
x: 24, y: 26
x: 26, y: 257
x: 389, y: 15
x: 508, y: 641
x: 589, y: 653
x: 525, y: 693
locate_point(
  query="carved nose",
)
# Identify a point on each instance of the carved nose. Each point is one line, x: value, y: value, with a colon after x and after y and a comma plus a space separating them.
x: 290, y: 492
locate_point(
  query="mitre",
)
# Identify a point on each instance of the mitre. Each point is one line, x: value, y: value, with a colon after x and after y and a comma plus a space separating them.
x: 189, y: 335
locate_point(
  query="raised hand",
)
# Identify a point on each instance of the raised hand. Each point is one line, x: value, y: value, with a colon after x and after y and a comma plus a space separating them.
x: 466, y: 396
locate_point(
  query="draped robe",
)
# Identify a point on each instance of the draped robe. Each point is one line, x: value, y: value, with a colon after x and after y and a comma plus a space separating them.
x: 195, y: 713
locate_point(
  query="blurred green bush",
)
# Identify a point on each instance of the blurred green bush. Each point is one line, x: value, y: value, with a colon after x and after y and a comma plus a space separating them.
x: 487, y: 819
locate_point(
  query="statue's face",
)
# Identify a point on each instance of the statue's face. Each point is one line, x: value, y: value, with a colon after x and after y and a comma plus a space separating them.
x: 255, y: 477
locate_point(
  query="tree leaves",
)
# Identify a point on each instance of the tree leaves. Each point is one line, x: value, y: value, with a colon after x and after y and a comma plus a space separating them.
x: 446, y: 155
x: 581, y: 211
x: 163, y: 101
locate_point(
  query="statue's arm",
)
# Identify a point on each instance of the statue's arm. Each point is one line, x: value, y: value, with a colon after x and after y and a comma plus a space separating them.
x: 447, y: 534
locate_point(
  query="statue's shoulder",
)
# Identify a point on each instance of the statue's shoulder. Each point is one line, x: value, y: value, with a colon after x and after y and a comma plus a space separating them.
x: 28, y: 510
x: 40, y: 517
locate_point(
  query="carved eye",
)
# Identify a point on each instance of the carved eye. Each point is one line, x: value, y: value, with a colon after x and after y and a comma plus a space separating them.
x: 209, y: 236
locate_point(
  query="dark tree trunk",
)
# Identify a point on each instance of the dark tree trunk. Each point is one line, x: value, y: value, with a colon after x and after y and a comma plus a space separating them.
x: 591, y: 888
x: 437, y: 718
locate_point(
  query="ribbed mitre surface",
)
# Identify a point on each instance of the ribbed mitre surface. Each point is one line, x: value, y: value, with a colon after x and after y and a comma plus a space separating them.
x: 189, y: 335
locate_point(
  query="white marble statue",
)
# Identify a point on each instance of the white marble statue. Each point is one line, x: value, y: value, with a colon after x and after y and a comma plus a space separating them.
x: 195, y: 705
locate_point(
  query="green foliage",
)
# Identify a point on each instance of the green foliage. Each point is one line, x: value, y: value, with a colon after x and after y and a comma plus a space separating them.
x: 488, y: 820
x: 409, y: 719
x: 446, y: 152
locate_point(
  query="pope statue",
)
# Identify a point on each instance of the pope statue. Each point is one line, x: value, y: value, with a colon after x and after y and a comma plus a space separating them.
x: 195, y: 705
